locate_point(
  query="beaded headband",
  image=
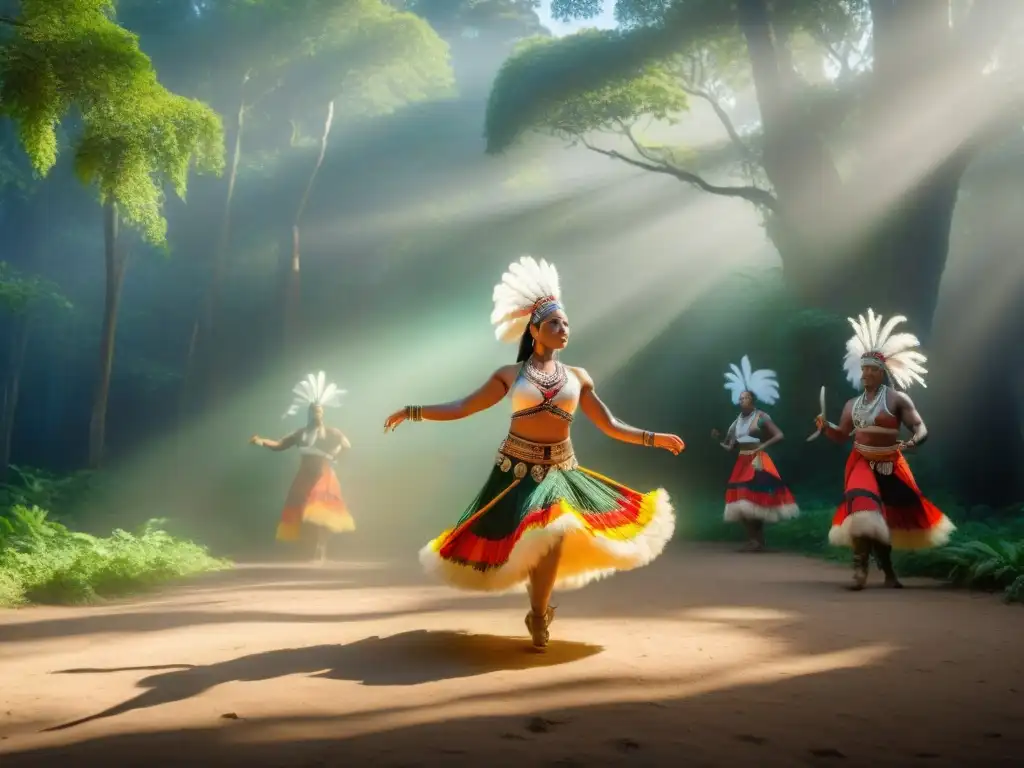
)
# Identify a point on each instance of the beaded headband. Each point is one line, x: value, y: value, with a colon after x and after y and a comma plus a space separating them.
x: 544, y: 307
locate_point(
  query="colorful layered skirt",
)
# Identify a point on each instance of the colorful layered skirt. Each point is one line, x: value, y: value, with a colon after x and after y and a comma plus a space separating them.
x: 537, y: 495
x: 314, y: 499
x: 882, y: 502
x: 756, y: 491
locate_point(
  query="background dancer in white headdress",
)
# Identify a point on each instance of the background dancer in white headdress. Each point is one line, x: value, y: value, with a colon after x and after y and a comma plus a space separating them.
x: 541, y: 521
x: 314, y: 498
x: 882, y: 506
x: 755, y: 494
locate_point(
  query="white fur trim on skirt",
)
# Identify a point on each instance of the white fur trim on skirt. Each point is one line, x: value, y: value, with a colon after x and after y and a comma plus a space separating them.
x: 867, y: 524
x: 735, y: 511
x: 586, y: 556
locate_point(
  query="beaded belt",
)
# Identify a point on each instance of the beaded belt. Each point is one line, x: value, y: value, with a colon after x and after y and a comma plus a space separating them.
x: 536, y: 458
x: 881, y: 460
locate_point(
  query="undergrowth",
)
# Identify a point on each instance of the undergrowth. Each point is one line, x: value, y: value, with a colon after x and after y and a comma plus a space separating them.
x: 984, y: 555
x: 42, y: 561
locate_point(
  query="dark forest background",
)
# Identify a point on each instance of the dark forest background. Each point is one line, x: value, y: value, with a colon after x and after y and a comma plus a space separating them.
x: 410, y: 220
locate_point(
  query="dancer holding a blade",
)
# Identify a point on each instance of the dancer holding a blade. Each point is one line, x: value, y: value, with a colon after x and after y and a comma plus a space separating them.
x: 882, y: 506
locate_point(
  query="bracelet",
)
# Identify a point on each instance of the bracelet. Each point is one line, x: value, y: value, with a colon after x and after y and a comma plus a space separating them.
x: 648, y: 439
x: 414, y: 412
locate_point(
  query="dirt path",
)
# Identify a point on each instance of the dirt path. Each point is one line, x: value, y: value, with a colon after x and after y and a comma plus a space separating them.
x: 706, y: 658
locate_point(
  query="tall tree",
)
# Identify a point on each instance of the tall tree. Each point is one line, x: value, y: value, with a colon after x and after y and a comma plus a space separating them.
x: 364, y: 59
x: 312, y: 60
x: 135, y: 137
x: 815, y: 161
x: 856, y: 175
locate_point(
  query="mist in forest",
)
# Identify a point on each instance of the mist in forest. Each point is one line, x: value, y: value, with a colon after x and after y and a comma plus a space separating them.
x: 371, y: 255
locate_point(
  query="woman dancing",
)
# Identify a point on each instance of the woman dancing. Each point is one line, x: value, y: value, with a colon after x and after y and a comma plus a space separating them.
x: 755, y: 494
x: 315, y: 494
x: 882, y: 506
x: 541, y: 520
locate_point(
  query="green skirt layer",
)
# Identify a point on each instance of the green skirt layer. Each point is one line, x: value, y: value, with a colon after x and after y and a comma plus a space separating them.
x: 601, y: 526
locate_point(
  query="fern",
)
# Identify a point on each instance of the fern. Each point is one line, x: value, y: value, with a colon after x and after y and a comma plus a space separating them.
x: 43, y: 561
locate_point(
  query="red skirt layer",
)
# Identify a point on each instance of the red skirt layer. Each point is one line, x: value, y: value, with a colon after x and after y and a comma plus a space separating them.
x: 756, y: 492
x: 314, y: 499
x: 887, y: 508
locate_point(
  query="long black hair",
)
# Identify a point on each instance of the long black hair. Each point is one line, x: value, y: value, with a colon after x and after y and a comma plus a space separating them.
x: 526, y: 345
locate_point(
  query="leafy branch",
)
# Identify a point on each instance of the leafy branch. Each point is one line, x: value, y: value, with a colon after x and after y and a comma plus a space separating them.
x: 651, y: 159
x: 21, y: 294
x: 697, y: 81
x: 724, y: 119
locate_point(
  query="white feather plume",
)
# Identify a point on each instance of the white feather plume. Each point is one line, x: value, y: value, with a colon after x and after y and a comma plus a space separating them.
x: 903, y: 361
x: 314, y: 390
x: 743, y: 378
x: 525, y: 281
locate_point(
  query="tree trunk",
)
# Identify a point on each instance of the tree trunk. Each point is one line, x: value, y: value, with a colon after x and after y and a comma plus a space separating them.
x: 293, y: 285
x: 293, y: 294
x: 19, y: 345
x: 795, y: 156
x: 976, y: 402
x: 898, y: 266
x: 203, y: 359
x: 116, y: 260
x: 188, y: 386
x: 983, y: 415
x: 838, y: 253
x: 843, y: 255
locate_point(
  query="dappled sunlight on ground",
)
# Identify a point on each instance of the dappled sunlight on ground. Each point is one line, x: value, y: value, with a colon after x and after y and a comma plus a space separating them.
x: 263, y: 662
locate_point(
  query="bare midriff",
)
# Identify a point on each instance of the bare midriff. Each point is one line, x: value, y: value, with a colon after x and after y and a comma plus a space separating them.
x: 540, y: 428
x: 312, y: 461
x: 877, y: 439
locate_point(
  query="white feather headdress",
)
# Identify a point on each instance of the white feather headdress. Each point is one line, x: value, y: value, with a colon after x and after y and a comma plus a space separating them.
x: 314, y: 390
x: 529, y: 289
x: 743, y: 378
x: 876, y: 344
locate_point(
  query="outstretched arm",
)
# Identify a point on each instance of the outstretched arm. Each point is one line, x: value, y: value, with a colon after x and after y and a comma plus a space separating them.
x: 907, y: 412
x: 774, y: 433
x: 488, y: 395
x: 599, y: 413
x: 276, y: 445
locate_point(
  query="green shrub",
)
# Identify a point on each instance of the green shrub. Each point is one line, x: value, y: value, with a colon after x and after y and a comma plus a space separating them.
x: 42, y: 561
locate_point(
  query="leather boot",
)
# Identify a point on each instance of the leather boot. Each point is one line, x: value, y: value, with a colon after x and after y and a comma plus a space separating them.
x: 755, y: 540
x: 861, y: 561
x: 883, y: 555
x: 759, y: 534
